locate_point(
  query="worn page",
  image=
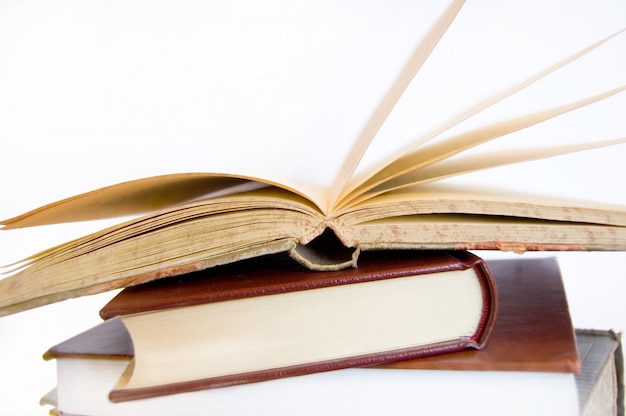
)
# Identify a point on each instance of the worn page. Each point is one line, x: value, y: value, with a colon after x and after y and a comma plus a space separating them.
x: 502, y: 61
x: 93, y: 96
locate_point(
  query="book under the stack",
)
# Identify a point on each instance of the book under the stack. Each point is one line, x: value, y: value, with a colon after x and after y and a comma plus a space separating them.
x: 530, y: 358
x: 272, y: 318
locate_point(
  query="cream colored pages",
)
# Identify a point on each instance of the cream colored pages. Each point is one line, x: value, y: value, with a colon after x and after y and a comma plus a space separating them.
x: 417, y: 155
x: 277, y: 91
x: 537, y: 61
x: 479, y: 202
x: 435, y: 170
x: 415, y: 62
x: 297, y: 338
x: 134, y: 197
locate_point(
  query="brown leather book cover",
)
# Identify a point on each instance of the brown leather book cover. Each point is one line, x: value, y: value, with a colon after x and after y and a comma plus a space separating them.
x: 533, y: 329
x: 261, y: 277
x: 275, y: 274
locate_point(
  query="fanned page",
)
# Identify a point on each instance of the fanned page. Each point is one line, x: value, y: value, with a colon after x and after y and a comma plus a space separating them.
x: 522, y: 79
x: 274, y: 91
x: 429, y: 32
x: 400, y: 169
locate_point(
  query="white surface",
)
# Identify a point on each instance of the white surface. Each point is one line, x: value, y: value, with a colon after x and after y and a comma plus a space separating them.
x: 94, y: 93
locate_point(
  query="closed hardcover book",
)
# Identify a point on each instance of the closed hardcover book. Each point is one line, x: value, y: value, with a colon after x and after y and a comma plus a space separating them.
x: 271, y: 318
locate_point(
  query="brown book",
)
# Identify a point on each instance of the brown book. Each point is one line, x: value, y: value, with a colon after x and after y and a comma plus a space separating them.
x: 517, y: 280
x: 285, y: 193
x: 272, y: 318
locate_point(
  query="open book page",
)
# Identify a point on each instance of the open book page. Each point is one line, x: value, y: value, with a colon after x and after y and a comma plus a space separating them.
x: 279, y: 91
x: 442, y: 29
x: 134, y: 198
x: 247, y: 205
x: 405, y: 77
x: 428, y: 153
x: 435, y: 169
x: 505, y: 63
x: 476, y: 200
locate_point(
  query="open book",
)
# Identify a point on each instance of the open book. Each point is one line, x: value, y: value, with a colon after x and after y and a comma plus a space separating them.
x: 182, y: 222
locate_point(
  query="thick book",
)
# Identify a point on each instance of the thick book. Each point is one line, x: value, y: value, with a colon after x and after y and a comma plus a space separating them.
x: 534, y: 368
x: 268, y: 319
x: 598, y: 390
x: 517, y: 281
x: 291, y: 188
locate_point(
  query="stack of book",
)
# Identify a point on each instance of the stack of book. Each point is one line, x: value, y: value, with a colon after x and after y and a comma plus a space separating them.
x: 291, y: 278
x: 401, y: 332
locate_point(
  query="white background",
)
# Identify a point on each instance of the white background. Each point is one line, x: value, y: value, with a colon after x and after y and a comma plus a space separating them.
x: 95, y: 93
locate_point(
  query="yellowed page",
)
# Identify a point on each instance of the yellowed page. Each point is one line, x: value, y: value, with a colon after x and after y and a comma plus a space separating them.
x: 448, y: 198
x: 472, y: 163
x: 417, y: 59
x: 406, y: 169
x: 253, y: 89
x: 131, y: 198
x: 403, y: 160
x: 259, y: 223
x: 268, y: 197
